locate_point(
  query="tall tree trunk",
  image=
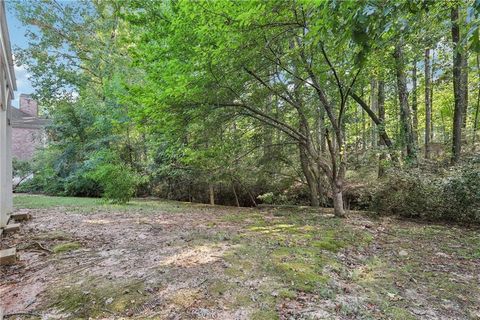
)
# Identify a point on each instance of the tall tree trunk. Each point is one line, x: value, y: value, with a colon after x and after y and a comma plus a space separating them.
x: 432, y: 77
x: 415, y: 103
x: 364, y: 139
x: 458, y: 89
x: 381, y: 117
x: 464, y: 77
x: 428, y: 105
x: 374, y: 107
x: 405, y: 121
x: 475, y: 122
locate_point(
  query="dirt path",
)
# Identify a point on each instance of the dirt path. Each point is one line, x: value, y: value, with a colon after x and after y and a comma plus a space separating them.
x: 166, y: 260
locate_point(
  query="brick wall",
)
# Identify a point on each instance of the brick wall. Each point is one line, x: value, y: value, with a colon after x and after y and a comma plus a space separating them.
x: 25, y: 142
x: 28, y: 105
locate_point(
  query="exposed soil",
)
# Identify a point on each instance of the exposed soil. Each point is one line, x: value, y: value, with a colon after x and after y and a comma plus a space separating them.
x: 167, y: 260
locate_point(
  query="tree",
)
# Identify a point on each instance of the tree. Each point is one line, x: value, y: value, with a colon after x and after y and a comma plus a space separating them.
x: 458, y: 86
x: 414, y: 103
x: 283, y: 55
x: 407, y: 134
x: 428, y: 104
x: 381, y: 118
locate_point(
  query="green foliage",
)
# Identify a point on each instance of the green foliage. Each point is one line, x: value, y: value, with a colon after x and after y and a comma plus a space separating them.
x: 21, y: 168
x: 65, y: 247
x: 45, y: 178
x: 461, y: 194
x: 81, y: 185
x: 451, y: 196
x: 242, y: 96
x: 117, y: 181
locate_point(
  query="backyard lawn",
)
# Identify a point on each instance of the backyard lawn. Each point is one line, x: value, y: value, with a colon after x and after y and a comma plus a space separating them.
x: 81, y: 258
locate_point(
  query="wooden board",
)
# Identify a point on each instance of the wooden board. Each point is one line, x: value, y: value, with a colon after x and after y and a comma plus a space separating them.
x: 8, y: 256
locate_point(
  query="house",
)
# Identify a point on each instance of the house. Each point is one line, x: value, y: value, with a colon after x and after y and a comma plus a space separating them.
x: 7, y: 87
x: 28, y: 130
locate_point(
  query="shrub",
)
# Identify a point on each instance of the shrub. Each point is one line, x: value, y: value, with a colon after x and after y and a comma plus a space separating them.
x: 80, y: 185
x: 45, y: 181
x: 461, y: 194
x: 407, y: 194
x: 452, y: 196
x: 22, y: 171
x: 118, y: 181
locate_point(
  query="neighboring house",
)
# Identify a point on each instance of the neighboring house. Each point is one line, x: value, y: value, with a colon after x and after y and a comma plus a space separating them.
x: 28, y: 130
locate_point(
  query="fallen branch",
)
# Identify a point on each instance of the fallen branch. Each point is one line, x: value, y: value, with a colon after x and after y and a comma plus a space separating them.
x: 32, y: 314
x: 37, y: 245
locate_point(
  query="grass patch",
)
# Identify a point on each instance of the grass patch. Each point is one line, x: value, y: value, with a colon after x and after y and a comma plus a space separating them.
x: 294, y: 249
x: 95, y: 297
x: 87, y: 205
x: 40, y: 201
x: 65, y: 247
x: 264, y: 314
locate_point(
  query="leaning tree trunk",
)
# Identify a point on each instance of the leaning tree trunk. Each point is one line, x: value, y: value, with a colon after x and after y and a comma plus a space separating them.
x: 457, y: 88
x: 405, y: 121
x: 380, y: 125
x: 237, y: 203
x: 310, y: 177
x: 428, y: 105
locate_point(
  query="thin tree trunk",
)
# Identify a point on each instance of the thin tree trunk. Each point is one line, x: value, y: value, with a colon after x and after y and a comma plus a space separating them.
x: 475, y: 122
x: 374, y: 107
x: 364, y: 139
x: 235, y: 194
x: 211, y: 193
x: 428, y: 106
x: 321, y: 130
x: 405, y: 121
x: 464, y: 77
x: 457, y: 89
x: 415, y: 103
x: 432, y: 77
x: 357, y: 134
x: 381, y: 117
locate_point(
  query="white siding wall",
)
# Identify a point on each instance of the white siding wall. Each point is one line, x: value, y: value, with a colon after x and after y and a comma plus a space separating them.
x: 7, y: 85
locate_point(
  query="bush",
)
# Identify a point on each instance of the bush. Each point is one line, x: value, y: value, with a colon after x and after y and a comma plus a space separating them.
x: 45, y: 181
x: 79, y: 185
x: 117, y: 181
x: 453, y: 196
x: 461, y: 194
x: 22, y: 171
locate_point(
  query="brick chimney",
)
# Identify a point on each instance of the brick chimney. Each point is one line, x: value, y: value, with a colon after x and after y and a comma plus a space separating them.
x: 28, y: 105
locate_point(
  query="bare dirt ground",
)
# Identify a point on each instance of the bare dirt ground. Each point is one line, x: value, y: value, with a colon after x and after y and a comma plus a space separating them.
x: 81, y: 259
